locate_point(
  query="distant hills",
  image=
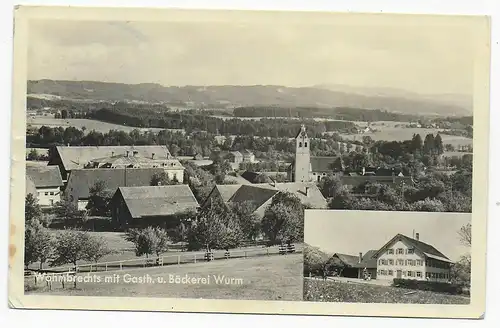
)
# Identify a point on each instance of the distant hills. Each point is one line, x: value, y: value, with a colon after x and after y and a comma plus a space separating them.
x: 228, y: 96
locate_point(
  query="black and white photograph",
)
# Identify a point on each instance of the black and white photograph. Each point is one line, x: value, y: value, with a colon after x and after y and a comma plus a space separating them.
x: 174, y: 154
x: 387, y: 257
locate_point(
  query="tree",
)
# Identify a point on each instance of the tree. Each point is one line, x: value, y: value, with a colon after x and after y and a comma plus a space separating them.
x: 461, y: 270
x: 32, y: 210
x: 342, y: 200
x: 330, y: 186
x: 214, y: 228
x: 99, y: 199
x: 284, y: 219
x: 69, y: 212
x: 438, y: 145
x: 38, y: 243
x: 428, y: 205
x: 64, y: 114
x: 416, y: 143
x: 465, y: 235
x: 96, y: 249
x: 148, y: 241
x: 429, y: 145
x: 249, y: 222
x: 33, y: 155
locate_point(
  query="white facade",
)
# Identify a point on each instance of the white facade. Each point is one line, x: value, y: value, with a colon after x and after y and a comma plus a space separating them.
x: 177, y: 173
x: 403, y: 261
x: 48, y: 196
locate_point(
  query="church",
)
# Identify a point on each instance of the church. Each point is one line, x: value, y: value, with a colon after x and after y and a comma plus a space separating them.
x: 307, y: 168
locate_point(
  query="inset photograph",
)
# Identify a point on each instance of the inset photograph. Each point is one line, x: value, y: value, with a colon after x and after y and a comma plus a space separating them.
x: 387, y: 257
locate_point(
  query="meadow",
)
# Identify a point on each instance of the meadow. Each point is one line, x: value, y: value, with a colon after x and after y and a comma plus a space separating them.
x: 261, y: 278
x: 317, y: 290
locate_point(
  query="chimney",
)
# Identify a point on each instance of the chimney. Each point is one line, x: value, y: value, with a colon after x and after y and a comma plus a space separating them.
x: 307, y: 191
x: 417, y: 236
x: 153, y: 156
x: 360, y: 257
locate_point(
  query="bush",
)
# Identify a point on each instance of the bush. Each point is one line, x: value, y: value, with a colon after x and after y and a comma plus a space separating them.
x: 433, y: 286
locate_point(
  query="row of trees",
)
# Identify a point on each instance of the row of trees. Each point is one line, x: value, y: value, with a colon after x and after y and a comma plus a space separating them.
x: 45, y: 246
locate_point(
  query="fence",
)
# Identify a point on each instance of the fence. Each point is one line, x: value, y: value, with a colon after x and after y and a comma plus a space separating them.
x: 179, y: 259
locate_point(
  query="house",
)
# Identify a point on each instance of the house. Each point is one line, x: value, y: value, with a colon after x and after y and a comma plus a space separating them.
x: 248, y: 156
x: 69, y: 158
x: 30, y: 188
x: 47, y: 181
x: 172, y: 167
x: 80, y: 180
x: 260, y: 196
x: 401, y: 257
x: 151, y: 205
x: 410, y: 258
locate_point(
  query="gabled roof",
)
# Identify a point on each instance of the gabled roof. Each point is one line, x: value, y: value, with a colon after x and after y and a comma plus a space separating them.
x: 122, y: 160
x: 348, y: 260
x: 368, y: 260
x: 81, y: 180
x: 154, y: 201
x: 74, y: 157
x: 322, y: 163
x: 258, y: 195
x: 227, y: 191
x: 426, y: 249
x: 30, y: 188
x: 44, y: 176
x: 313, y: 197
x: 252, y: 177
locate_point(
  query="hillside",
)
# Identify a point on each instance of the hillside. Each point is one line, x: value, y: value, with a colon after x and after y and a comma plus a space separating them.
x: 235, y: 96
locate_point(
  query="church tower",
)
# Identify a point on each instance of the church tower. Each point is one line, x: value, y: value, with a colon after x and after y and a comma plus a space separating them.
x: 302, y: 156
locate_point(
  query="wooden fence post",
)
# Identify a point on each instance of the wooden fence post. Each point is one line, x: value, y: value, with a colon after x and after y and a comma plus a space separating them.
x: 178, y: 259
x: 267, y: 251
x: 245, y: 254
x: 194, y: 258
x: 121, y: 266
x: 90, y: 268
x: 106, y: 267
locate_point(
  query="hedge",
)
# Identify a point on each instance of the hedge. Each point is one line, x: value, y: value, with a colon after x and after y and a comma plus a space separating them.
x: 434, y: 286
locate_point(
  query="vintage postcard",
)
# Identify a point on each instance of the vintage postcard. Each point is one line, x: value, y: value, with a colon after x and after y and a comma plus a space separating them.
x: 249, y: 162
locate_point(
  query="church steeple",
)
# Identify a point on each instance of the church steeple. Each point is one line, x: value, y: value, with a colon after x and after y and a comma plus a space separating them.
x: 302, y: 164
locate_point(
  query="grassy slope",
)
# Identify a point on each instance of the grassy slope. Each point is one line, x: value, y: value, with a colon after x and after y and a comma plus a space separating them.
x: 264, y: 278
x: 329, y: 291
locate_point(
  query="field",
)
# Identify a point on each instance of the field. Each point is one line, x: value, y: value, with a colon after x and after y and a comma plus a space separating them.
x: 401, y: 133
x: 317, y: 290
x: 79, y: 123
x: 263, y: 278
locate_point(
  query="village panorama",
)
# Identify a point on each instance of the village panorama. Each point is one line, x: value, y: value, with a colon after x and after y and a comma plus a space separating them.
x: 178, y: 186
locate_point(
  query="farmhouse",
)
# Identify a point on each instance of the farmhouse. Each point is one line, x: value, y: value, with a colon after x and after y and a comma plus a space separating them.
x: 151, y: 205
x: 69, y: 158
x: 47, y: 182
x: 80, y: 180
x: 261, y: 195
x: 401, y: 257
x: 409, y: 258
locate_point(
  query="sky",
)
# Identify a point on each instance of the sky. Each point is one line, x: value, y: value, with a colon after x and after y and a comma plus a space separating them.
x: 430, y: 58
x: 352, y: 232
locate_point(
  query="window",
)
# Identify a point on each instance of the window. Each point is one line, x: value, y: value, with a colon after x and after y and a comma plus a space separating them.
x: 400, y: 251
x: 427, y: 274
x: 300, y: 144
x: 305, y: 144
x: 410, y: 251
x: 52, y: 193
x: 411, y: 274
x: 391, y: 262
x: 46, y: 193
x: 390, y: 272
x: 401, y: 262
x: 419, y: 274
x: 419, y: 262
x: 390, y: 251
